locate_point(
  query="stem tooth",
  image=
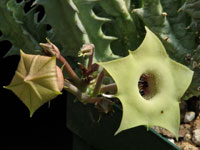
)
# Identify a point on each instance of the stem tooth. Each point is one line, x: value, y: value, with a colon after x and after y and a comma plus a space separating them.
x: 164, y: 14
x: 134, y: 11
x: 166, y: 39
x: 179, y: 10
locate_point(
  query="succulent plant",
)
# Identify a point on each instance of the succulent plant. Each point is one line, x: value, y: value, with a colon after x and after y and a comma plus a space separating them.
x: 114, y: 28
x: 176, y: 24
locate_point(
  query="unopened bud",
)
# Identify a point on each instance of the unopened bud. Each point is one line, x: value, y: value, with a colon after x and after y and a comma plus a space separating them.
x: 50, y: 49
x: 37, y: 80
x: 86, y: 50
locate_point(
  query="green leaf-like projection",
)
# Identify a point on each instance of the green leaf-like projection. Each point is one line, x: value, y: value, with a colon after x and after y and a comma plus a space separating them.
x: 60, y: 14
x: 20, y: 28
x: 167, y: 81
x: 35, y: 81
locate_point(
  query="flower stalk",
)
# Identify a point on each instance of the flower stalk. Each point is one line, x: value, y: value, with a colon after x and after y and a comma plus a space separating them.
x: 50, y: 49
x: 98, y: 83
x: 110, y: 88
x: 77, y: 86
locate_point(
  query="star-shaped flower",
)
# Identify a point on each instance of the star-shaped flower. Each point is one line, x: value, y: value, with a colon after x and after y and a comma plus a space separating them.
x: 166, y: 82
x: 37, y: 80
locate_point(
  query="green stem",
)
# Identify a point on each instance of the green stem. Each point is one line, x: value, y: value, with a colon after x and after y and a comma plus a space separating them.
x: 82, y: 97
x: 75, y: 91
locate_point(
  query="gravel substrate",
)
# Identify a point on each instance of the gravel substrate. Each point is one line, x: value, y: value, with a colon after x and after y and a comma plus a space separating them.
x: 189, y: 132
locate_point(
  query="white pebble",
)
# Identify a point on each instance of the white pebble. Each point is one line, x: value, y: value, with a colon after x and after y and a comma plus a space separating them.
x: 196, y: 137
x: 187, y: 137
x: 189, y: 116
x: 171, y: 140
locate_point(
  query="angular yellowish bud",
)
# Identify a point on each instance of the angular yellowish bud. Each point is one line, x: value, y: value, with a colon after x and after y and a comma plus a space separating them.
x: 37, y: 80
